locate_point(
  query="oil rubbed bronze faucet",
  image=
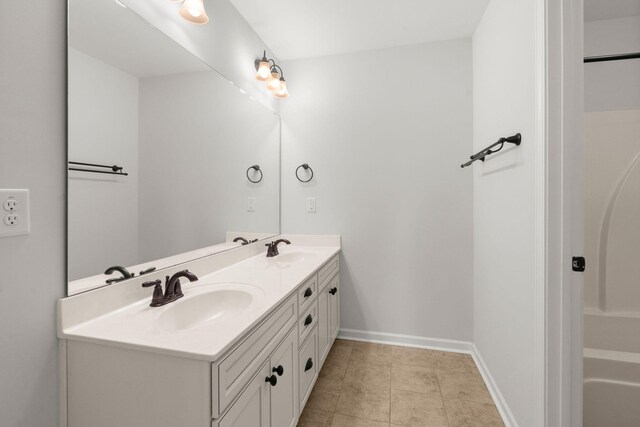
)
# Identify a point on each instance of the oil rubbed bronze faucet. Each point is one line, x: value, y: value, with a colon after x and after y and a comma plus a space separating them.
x: 172, y: 289
x: 272, y: 248
x: 241, y: 239
x: 125, y: 274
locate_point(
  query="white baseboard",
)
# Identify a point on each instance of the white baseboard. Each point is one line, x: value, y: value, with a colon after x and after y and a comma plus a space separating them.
x: 439, y: 344
x: 407, y: 340
x: 505, y: 412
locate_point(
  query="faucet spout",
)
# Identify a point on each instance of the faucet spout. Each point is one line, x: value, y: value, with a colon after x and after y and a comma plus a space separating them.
x: 173, y: 289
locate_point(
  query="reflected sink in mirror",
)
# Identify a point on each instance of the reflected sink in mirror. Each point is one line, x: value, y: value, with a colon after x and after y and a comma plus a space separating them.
x: 211, y: 304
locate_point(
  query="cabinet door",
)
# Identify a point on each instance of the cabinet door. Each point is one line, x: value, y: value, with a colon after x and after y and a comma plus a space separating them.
x: 334, y: 307
x: 284, y: 395
x: 252, y: 407
x: 323, y: 324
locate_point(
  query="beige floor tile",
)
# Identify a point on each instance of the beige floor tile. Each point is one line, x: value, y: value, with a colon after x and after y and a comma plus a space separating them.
x: 466, y: 413
x: 414, y: 378
x: 371, y: 353
x: 324, y: 396
x: 346, y: 421
x: 368, y: 374
x: 463, y: 385
x: 362, y: 402
x: 335, y: 366
x: 458, y: 362
x: 417, y: 409
x: 311, y: 418
x: 412, y: 356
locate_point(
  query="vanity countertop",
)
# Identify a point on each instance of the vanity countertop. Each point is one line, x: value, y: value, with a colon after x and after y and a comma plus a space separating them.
x: 269, y: 281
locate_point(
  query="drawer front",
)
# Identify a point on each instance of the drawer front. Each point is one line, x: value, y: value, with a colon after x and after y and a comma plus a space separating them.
x: 307, y: 321
x: 237, y: 369
x: 327, y: 271
x: 307, y: 293
x: 308, y: 366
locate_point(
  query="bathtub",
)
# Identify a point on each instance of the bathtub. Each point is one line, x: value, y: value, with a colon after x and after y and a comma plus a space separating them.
x: 611, y: 388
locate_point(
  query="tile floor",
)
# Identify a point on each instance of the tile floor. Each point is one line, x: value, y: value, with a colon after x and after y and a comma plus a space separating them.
x: 374, y: 385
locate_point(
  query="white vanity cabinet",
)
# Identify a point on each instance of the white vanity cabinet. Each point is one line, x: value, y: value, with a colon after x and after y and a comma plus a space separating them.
x: 328, y: 308
x: 263, y: 380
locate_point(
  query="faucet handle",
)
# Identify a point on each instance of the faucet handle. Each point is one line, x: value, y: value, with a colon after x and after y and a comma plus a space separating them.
x: 158, y: 296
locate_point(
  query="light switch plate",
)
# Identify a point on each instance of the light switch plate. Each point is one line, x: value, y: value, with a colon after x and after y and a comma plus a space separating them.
x: 251, y: 204
x: 14, y: 210
x: 311, y: 205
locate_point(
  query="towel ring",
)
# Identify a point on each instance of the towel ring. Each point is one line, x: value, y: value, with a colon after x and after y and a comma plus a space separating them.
x: 257, y: 169
x: 305, y: 166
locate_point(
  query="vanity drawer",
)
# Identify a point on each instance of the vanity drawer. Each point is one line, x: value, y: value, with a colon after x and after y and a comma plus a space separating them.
x: 327, y: 271
x: 237, y: 369
x: 307, y: 321
x: 308, y: 365
x: 307, y: 293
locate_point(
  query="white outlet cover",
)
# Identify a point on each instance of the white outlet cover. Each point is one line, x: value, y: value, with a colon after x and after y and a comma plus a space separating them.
x: 251, y: 204
x: 15, y: 213
x: 311, y: 204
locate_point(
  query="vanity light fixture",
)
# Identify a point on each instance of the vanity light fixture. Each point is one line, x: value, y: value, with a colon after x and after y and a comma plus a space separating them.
x: 270, y: 72
x: 193, y: 11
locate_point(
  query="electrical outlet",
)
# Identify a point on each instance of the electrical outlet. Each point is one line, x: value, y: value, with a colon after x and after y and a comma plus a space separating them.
x: 15, y: 213
x: 11, y: 219
x: 311, y: 204
x: 10, y: 205
x: 251, y: 204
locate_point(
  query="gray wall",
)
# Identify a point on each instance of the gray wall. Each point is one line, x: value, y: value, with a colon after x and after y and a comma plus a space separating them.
x: 33, y: 156
x: 505, y: 314
x: 386, y: 143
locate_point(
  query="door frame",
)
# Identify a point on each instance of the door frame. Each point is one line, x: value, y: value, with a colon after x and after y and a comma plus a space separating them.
x: 564, y: 229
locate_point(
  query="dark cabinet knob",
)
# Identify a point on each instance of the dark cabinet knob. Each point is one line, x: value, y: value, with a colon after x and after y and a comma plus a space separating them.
x: 271, y: 380
x: 308, y: 320
x: 308, y: 293
x: 309, y: 365
x: 333, y: 291
x: 279, y: 370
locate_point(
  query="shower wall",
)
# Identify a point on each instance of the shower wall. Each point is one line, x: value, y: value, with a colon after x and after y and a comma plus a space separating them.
x: 612, y: 211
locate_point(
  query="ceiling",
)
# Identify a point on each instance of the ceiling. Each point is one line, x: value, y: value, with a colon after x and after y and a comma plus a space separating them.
x: 595, y: 10
x: 114, y: 34
x: 302, y: 28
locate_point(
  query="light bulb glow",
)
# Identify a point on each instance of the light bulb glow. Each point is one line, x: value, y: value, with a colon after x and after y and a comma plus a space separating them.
x: 283, y: 92
x: 273, y: 84
x: 193, y: 11
x: 263, y: 71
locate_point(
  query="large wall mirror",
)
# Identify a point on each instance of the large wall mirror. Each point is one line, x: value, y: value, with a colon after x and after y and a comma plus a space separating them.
x: 185, y: 137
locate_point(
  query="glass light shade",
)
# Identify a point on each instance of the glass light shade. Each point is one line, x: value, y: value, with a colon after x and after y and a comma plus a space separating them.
x: 263, y: 71
x: 193, y: 11
x: 283, y: 92
x: 273, y: 84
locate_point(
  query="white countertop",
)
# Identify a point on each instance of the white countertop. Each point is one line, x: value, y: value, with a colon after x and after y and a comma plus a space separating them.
x: 269, y: 280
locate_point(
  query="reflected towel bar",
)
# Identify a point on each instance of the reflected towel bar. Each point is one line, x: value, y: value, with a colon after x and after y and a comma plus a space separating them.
x: 480, y: 155
x: 115, y: 170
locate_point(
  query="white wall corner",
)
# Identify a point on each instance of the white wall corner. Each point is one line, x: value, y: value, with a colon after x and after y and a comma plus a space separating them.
x: 499, y: 400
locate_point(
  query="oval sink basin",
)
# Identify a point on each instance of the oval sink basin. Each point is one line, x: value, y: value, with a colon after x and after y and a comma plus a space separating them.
x: 294, y: 257
x: 194, y: 311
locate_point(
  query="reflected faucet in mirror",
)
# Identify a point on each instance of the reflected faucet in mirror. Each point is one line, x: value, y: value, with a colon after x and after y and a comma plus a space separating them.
x: 244, y: 241
x: 125, y: 274
x: 172, y: 289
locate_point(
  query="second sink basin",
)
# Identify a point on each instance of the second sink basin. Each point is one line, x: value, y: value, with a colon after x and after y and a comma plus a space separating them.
x: 205, y: 306
x: 294, y: 257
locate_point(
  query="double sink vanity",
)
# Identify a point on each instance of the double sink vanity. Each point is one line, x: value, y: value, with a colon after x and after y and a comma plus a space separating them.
x: 243, y: 346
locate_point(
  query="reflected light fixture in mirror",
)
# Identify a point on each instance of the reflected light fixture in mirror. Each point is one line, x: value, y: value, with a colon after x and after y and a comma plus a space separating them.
x: 193, y: 11
x: 270, y: 72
